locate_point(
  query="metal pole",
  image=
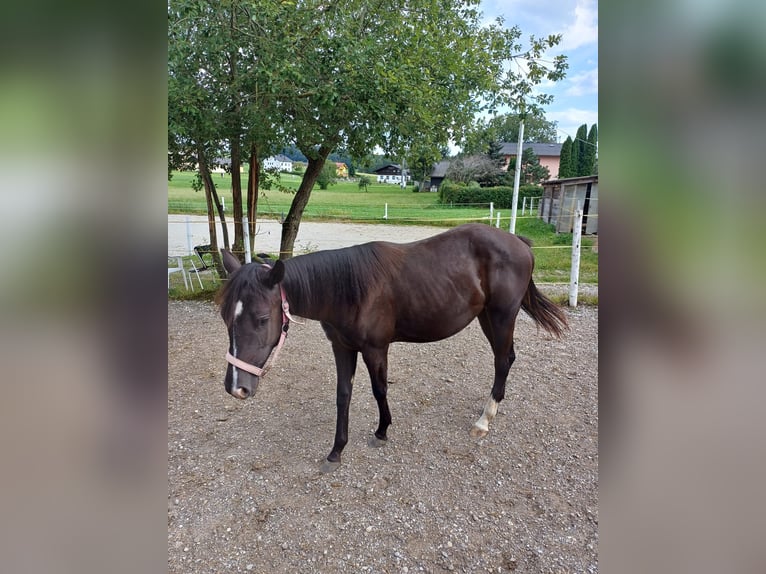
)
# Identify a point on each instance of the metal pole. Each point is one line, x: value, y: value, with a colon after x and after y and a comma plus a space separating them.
x: 248, y: 255
x: 517, y: 174
x: 188, y: 237
x: 574, y: 274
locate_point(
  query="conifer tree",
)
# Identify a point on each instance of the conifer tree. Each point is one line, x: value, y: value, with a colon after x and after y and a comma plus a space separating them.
x: 565, y: 160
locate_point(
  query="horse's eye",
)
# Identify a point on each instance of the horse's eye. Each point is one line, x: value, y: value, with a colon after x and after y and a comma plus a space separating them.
x: 261, y: 321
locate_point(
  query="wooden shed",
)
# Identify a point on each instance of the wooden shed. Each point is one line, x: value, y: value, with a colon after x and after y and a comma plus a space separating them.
x: 560, y: 199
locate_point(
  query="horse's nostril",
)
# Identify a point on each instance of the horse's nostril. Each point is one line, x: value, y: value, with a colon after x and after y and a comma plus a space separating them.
x: 240, y: 392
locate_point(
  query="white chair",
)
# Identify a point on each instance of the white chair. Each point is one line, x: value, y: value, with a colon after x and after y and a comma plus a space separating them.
x: 196, y: 271
x: 176, y: 265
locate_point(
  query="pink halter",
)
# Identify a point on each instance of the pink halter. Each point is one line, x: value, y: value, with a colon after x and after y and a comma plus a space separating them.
x: 261, y: 371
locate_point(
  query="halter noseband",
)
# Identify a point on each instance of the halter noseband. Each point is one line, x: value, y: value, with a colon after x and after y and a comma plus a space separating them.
x: 286, y: 318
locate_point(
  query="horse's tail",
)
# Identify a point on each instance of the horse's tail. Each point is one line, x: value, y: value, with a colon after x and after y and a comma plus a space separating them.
x: 543, y: 311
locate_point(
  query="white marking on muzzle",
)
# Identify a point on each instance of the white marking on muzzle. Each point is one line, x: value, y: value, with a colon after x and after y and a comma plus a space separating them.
x: 234, y: 373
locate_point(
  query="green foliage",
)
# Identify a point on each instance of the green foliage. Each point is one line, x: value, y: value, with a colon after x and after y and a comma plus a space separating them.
x: 364, y: 182
x: 592, y: 150
x: 580, y: 156
x: 328, y: 175
x: 531, y: 170
x: 501, y: 196
x: 348, y: 81
x: 476, y: 167
x: 565, y: 159
x: 484, y: 134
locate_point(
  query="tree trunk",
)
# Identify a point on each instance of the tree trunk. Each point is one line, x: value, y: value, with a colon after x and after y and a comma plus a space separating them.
x: 207, y: 178
x: 293, y: 220
x: 252, y: 193
x: 209, y: 186
x: 236, y: 199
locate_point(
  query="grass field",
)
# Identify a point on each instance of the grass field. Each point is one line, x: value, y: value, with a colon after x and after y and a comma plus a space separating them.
x: 344, y: 201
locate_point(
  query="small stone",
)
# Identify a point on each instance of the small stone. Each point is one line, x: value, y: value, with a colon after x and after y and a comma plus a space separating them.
x: 249, y: 567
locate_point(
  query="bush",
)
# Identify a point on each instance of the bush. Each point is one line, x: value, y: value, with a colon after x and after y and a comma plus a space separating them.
x: 501, y: 196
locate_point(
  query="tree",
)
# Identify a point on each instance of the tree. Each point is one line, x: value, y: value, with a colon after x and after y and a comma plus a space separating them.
x: 565, y: 159
x: 364, y: 181
x: 357, y: 77
x: 580, y: 157
x: 477, y: 167
x: 328, y: 176
x: 531, y: 170
x: 505, y: 128
x: 592, y: 150
x: 218, y: 71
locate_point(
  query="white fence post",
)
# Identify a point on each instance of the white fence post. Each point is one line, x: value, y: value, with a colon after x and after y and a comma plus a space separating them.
x: 524, y: 206
x: 248, y: 255
x: 491, y: 210
x: 498, y: 220
x: 385, y: 212
x: 223, y: 203
x: 188, y: 237
x: 574, y: 276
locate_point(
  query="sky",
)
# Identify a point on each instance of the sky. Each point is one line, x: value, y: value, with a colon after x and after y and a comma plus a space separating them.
x: 576, y: 96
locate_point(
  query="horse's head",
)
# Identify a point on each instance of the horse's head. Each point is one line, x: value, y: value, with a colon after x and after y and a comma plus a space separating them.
x: 251, y: 308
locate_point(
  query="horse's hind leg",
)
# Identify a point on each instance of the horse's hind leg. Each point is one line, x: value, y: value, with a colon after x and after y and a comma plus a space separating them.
x: 499, y: 331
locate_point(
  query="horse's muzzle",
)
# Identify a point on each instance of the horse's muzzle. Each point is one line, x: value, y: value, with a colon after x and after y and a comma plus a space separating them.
x: 240, y: 393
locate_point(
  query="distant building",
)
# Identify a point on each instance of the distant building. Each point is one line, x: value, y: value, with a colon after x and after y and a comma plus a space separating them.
x: 561, y: 198
x: 278, y: 162
x: 341, y: 169
x: 438, y: 174
x: 390, y: 173
x: 548, y: 153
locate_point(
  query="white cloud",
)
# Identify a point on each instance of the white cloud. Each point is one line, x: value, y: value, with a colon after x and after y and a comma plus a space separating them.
x: 570, y: 119
x: 584, y: 83
x: 584, y: 29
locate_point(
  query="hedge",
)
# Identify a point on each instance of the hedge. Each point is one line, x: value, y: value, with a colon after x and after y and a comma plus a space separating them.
x: 501, y: 196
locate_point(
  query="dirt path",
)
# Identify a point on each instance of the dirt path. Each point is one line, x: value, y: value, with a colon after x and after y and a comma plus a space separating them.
x: 245, y: 493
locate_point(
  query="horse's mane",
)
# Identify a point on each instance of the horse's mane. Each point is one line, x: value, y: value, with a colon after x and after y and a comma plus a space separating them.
x: 340, y: 277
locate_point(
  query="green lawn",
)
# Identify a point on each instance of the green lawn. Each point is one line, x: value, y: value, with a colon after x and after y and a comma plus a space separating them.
x: 345, y: 202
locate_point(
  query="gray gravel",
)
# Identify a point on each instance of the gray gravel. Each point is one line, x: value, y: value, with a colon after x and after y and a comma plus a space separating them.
x: 245, y: 493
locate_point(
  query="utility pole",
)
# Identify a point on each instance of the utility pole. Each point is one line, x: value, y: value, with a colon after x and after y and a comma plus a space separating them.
x: 517, y: 174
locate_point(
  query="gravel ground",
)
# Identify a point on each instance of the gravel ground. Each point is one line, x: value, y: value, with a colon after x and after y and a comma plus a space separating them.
x: 245, y: 493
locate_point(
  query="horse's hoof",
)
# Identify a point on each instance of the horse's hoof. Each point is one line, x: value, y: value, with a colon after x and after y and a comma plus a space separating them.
x: 328, y: 467
x: 376, y: 442
x: 476, y: 432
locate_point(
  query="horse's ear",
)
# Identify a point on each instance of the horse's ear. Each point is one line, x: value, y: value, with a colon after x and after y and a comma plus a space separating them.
x: 276, y: 274
x: 230, y: 263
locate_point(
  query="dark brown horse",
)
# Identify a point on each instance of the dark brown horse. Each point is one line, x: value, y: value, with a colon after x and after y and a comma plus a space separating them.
x: 370, y: 295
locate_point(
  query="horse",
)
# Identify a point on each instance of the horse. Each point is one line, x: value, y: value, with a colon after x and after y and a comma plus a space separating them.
x: 370, y: 295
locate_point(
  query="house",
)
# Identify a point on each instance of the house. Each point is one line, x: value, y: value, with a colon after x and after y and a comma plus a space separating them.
x: 278, y: 163
x: 561, y: 198
x: 221, y: 165
x: 548, y: 153
x: 438, y: 174
x: 389, y: 173
x: 341, y: 169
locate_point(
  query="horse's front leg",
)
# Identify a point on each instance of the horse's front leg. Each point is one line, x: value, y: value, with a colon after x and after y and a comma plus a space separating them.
x: 377, y: 365
x: 345, y: 364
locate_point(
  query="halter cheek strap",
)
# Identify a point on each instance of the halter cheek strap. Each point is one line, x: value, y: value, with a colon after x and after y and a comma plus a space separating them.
x: 261, y: 371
